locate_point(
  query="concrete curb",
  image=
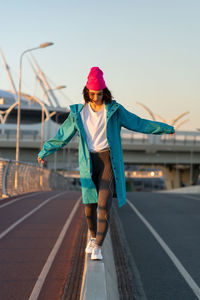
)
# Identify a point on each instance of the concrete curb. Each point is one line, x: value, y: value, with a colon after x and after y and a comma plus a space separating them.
x: 110, y: 269
x: 194, y: 189
x: 99, y: 277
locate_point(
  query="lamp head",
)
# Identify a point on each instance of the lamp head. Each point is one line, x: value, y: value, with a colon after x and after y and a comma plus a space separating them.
x: 44, y: 45
x: 61, y: 87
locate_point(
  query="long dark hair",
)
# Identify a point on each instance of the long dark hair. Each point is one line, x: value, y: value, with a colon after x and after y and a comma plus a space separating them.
x: 107, y: 96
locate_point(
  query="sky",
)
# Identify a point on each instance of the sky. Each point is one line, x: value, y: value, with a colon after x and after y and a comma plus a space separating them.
x: 148, y: 50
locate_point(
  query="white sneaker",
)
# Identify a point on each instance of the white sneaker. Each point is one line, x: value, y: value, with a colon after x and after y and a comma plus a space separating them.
x: 96, y: 253
x: 90, y: 245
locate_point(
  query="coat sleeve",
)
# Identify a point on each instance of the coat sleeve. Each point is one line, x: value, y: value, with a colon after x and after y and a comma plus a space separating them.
x: 135, y: 123
x: 63, y: 136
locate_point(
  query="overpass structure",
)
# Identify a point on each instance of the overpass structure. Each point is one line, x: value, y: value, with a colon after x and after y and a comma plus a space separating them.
x: 178, y: 156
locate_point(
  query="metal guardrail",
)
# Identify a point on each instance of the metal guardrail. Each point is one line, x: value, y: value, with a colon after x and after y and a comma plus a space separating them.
x: 10, y: 134
x: 31, y: 178
x: 181, y: 138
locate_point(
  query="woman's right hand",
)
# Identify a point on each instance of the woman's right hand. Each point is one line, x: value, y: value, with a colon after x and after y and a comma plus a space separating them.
x: 40, y: 161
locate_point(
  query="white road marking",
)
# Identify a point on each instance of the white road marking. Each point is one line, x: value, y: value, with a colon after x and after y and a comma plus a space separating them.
x: 20, y: 198
x: 182, y: 195
x: 195, y: 288
x: 39, y: 283
x: 191, y: 197
x: 5, y: 232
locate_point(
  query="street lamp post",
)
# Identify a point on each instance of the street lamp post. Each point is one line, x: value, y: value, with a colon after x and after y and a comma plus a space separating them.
x: 44, y: 45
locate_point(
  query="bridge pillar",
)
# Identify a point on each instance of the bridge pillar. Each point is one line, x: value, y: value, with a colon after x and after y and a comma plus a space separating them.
x: 172, y: 177
x: 178, y: 177
x: 195, y: 174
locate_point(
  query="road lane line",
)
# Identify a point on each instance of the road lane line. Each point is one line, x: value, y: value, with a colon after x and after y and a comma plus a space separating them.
x: 191, y: 197
x: 5, y: 232
x: 182, y: 195
x: 39, y: 283
x: 195, y: 288
x: 20, y: 198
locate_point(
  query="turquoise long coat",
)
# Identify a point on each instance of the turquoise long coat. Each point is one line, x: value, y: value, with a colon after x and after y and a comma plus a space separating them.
x: 117, y: 117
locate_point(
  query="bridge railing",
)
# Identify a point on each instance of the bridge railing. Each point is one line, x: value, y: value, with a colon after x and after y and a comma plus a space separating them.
x: 10, y: 134
x: 180, y: 138
x: 30, y: 178
x: 128, y: 137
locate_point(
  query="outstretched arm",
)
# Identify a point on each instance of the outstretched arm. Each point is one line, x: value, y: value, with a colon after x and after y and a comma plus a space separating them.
x: 63, y: 136
x: 135, y: 123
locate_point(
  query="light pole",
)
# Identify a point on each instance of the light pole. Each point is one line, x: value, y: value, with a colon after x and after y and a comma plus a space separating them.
x: 44, y: 45
x: 42, y: 118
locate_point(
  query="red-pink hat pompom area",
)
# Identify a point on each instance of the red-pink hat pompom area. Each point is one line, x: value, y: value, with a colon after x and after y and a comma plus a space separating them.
x: 95, y: 80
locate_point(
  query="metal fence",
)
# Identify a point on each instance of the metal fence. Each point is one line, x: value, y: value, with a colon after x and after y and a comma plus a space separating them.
x: 18, y: 178
x: 181, y: 138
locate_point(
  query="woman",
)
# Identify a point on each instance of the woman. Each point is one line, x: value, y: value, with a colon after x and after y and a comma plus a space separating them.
x: 98, y: 123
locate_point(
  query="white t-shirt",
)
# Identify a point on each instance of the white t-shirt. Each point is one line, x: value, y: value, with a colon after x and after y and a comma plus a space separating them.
x: 94, y: 123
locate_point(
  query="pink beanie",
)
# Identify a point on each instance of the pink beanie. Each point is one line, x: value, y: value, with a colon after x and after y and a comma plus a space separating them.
x: 95, y: 80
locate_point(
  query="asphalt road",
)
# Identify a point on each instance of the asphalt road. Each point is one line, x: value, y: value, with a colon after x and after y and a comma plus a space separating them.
x: 162, y: 232
x: 38, y: 234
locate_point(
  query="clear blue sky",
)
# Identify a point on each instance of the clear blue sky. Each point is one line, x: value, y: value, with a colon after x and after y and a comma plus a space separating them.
x: 149, y: 50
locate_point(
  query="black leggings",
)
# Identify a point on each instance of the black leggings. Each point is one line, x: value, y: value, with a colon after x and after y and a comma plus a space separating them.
x: 98, y: 214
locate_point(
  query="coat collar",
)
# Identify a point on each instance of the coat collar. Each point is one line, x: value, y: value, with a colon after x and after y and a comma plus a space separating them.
x: 110, y: 108
x: 76, y: 108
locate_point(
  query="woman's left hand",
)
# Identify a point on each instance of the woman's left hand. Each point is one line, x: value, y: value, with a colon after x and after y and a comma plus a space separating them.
x: 173, y: 133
